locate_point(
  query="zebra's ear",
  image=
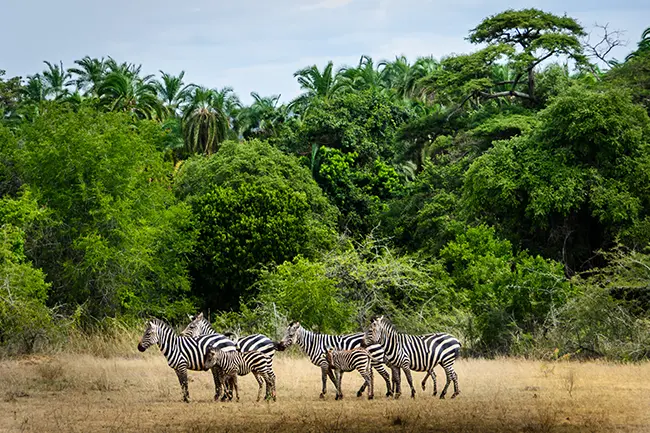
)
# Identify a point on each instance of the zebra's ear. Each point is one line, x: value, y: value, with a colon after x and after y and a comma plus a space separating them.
x: 200, y: 315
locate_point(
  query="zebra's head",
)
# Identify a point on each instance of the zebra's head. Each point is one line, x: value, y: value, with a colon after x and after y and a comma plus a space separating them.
x: 328, y: 355
x: 291, y: 334
x: 376, y: 331
x: 212, y: 357
x: 196, y: 327
x: 150, y: 336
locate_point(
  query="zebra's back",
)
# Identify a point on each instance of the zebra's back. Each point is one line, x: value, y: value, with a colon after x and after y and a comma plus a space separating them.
x: 257, y: 342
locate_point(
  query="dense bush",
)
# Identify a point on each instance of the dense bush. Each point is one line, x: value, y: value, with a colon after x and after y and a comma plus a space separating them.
x: 253, y: 206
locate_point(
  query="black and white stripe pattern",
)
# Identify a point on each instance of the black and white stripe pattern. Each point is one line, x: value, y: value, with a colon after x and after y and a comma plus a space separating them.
x: 184, y: 353
x: 416, y: 353
x: 234, y: 363
x: 316, y: 345
x: 201, y: 326
x: 349, y: 360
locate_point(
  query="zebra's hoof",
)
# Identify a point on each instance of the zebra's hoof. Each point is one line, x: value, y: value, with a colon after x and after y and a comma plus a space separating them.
x: 455, y: 394
x: 442, y: 396
x: 424, y: 387
x: 322, y: 395
x: 370, y: 397
x: 359, y: 393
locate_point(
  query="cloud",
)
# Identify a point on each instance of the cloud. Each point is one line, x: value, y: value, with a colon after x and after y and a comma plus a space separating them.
x: 326, y: 4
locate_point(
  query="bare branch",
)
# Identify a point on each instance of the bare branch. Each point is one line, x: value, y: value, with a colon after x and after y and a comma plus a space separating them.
x: 604, y: 43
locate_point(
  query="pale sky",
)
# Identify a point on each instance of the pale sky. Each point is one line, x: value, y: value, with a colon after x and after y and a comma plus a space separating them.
x: 257, y: 45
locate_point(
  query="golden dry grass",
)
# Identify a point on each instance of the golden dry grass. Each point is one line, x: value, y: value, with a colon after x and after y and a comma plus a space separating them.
x: 81, y: 393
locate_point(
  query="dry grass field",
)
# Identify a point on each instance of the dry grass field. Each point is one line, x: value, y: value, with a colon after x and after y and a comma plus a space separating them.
x: 82, y: 393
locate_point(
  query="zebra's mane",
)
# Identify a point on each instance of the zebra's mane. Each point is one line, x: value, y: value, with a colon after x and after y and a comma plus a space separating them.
x: 160, y: 323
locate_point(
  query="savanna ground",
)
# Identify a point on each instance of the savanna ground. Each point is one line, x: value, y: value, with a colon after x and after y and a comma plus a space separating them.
x: 80, y: 393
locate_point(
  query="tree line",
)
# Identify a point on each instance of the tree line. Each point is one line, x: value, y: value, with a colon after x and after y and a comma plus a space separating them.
x: 501, y: 195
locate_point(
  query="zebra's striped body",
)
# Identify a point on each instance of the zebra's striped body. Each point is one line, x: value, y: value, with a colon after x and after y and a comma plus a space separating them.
x: 416, y: 353
x: 184, y: 353
x: 316, y: 345
x: 349, y: 360
x: 234, y: 363
x: 201, y: 326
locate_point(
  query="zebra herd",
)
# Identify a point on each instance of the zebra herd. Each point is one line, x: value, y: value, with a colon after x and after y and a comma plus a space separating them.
x: 199, y: 347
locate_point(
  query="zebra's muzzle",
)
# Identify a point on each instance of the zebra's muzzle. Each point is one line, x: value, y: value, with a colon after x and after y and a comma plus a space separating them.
x: 141, y: 348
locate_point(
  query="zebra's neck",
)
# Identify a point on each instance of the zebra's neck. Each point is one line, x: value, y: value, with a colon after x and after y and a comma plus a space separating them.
x: 167, y: 339
x: 311, y: 343
x: 389, y: 339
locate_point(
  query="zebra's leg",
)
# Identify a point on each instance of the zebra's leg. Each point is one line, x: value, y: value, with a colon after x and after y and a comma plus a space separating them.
x: 235, y: 386
x: 433, y: 378
x: 218, y: 380
x: 339, y: 379
x: 451, y: 377
x: 397, y: 381
x: 326, y: 371
x: 260, y: 383
x: 409, y: 378
x: 272, y: 382
x: 181, y: 372
x: 371, y: 384
x: 382, y: 371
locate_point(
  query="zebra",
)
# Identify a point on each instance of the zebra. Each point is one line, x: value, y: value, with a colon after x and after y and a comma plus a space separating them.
x: 415, y: 353
x: 234, y: 363
x: 201, y: 326
x: 349, y: 360
x: 315, y: 346
x: 183, y: 352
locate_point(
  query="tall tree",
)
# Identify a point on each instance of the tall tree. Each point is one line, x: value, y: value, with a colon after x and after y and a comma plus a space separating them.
x: 172, y: 91
x: 55, y: 79
x: 536, y: 36
x: 206, y: 119
x: 316, y: 84
x: 89, y: 74
x: 121, y: 91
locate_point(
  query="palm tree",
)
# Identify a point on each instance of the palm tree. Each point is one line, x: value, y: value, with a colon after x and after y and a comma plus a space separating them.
x: 363, y: 77
x: 89, y: 75
x: 262, y: 117
x: 316, y: 84
x: 34, y: 90
x: 393, y: 74
x: 55, y: 79
x: 206, y: 119
x: 122, y: 91
x: 172, y: 91
x: 642, y: 47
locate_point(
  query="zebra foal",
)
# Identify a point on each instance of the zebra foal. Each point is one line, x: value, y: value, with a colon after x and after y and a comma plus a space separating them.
x: 315, y: 346
x: 185, y: 353
x: 349, y: 360
x: 233, y: 364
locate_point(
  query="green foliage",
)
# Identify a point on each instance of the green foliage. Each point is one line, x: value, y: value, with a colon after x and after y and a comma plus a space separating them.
x: 253, y: 206
x: 118, y: 239
x: 509, y: 295
x: 576, y: 181
x: 25, y: 320
x: 609, y: 316
x: 301, y: 290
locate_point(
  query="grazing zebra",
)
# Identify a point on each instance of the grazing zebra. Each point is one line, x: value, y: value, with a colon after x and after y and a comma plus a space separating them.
x: 201, y: 326
x: 415, y: 353
x: 185, y: 353
x: 315, y: 346
x: 235, y: 363
x: 349, y: 360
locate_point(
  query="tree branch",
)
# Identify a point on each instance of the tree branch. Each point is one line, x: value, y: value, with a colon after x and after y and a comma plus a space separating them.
x: 608, y: 41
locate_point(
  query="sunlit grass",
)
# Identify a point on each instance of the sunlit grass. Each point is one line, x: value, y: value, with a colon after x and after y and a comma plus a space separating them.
x: 80, y: 393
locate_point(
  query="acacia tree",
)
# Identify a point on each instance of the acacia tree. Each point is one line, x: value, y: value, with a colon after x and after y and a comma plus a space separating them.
x: 535, y: 36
